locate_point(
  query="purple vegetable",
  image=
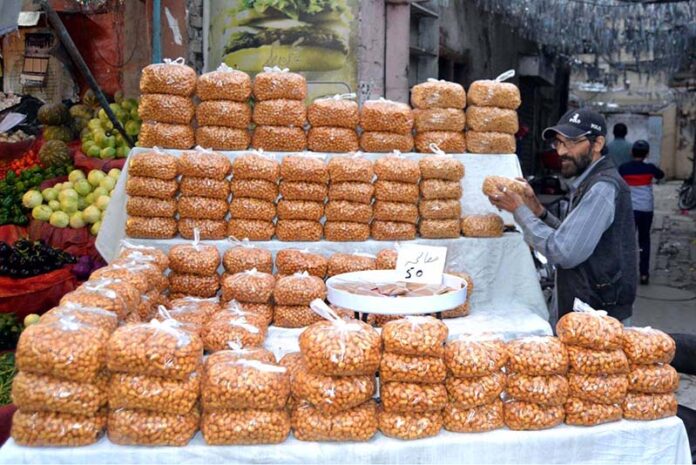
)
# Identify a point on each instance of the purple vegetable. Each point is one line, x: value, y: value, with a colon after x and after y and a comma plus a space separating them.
x: 82, y: 268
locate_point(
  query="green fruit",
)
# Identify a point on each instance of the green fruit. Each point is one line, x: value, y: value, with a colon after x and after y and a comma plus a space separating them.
x: 41, y: 212
x: 94, y: 151
x: 107, y: 152
x: 76, y: 220
x: 132, y: 128
x: 31, y: 319
x: 95, y: 176
x: 108, y: 183
x: 80, y: 111
x: 95, y: 228
x: 76, y: 175
x: 68, y: 205
x: 86, y: 145
x: 54, y: 153
x: 94, y: 123
x: 49, y: 193
x: 122, y: 152
x: 82, y: 203
x: 91, y: 214
x: 63, y: 133
x: 118, y: 96
x: 59, y: 219
x: 98, y: 192
x: 102, y: 115
x: 83, y: 187
x: 53, y: 114
x: 108, y: 125
x: 34, y: 198
x: 89, y: 198
x: 54, y: 204
x: 102, y: 202
x: 68, y: 194
x: 114, y: 173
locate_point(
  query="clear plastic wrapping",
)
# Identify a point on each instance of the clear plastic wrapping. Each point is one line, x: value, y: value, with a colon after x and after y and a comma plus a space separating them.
x: 333, y: 112
x: 242, y: 330
x: 248, y: 286
x: 294, y: 316
x: 521, y: 415
x: 139, y: 186
x: 193, y: 285
x: 130, y: 272
x: 254, y: 230
x: 244, y: 384
x: 438, y: 94
x: 490, y: 93
x: 155, y: 164
x: 254, y: 188
x: 386, y: 260
x: 484, y: 225
x: 602, y: 389
x: 166, y: 108
x: 233, y: 427
x: 222, y: 138
x: 340, y: 263
x: 447, y: 141
x: 155, y: 349
x: 303, y: 191
x: 467, y: 393
x: 493, y: 184
x: 279, y: 84
x: 415, y: 335
x: 333, y: 394
x: 386, y: 116
x: 256, y: 166
x: 440, y: 189
x: 439, y: 229
x: 393, y: 191
x: 237, y: 353
x: 279, y: 139
x: 171, y: 77
x: 384, y: 142
x: 411, y: 368
x: 492, y: 119
x: 596, y: 362
x: 291, y: 261
x: 350, y: 169
x: 579, y: 412
x: 151, y: 207
x: 170, y: 136
x: 38, y: 393
x: 224, y: 113
x: 92, y: 316
x: 252, y: 209
x: 150, y: 228
x: 439, y: 167
x: 299, y: 230
x: 159, y: 258
x: 439, y: 119
x: 204, y: 187
x: 357, y: 424
x: 147, y: 428
x: 202, y: 163
x: 280, y: 112
x: 649, y: 406
x: 65, y: 349
x: 224, y: 83
x: 475, y: 355
x: 591, y: 330
x: 397, y: 168
x: 304, y: 169
x: 202, y: 208
x: 299, y: 289
x: 440, y: 210
x: 300, y: 210
x: 359, y: 192
x: 194, y: 258
x: 344, y: 231
x: 351, y: 212
x: 114, y: 295
x: 413, y: 397
x: 57, y: 429
x: 392, y: 231
x: 544, y: 390
x: 395, y: 211
x: 243, y: 258
x: 648, y: 345
x: 537, y: 356
x: 478, y: 419
x: 332, y: 140
x: 207, y: 229
x: 653, y: 379
x: 409, y: 426
x: 154, y: 393
x: 489, y: 142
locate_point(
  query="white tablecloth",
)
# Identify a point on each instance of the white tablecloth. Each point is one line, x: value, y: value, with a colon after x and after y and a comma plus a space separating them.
x: 662, y: 441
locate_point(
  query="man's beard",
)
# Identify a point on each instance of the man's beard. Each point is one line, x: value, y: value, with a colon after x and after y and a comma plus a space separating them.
x: 576, y: 167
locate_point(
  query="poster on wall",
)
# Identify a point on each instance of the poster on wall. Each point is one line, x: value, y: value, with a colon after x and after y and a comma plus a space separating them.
x: 317, y: 38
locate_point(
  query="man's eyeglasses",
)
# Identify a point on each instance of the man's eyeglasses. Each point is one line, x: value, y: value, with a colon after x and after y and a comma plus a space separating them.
x: 568, y: 144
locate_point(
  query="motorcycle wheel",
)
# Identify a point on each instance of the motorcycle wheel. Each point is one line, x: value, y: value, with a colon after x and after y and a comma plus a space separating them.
x: 687, y: 198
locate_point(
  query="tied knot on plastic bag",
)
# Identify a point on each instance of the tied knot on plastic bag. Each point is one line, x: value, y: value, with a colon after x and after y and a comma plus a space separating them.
x: 435, y: 80
x: 437, y: 150
x: 101, y: 287
x: 505, y: 76
x: 261, y: 153
x: 260, y: 366
x: 158, y: 151
x: 582, y: 307
x: 348, y: 96
x: 397, y: 154
x: 319, y: 307
x: 78, y: 307
x: 363, y: 254
x: 275, y: 69
x: 139, y: 257
x: 196, y: 239
x: 241, y: 322
x: 170, y: 326
x: 245, y: 242
x: 417, y: 321
x: 175, y: 61
x: 234, y: 307
x: 200, y: 149
x: 225, y: 68
x: 302, y: 274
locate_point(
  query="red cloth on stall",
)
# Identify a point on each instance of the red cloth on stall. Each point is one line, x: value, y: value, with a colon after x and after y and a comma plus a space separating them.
x: 10, y: 233
x: 76, y: 242
x: 37, y: 294
x: 6, y: 413
x: 87, y: 164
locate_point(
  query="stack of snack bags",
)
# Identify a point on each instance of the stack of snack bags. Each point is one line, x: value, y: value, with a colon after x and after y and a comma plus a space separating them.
x: 291, y: 261
x: 292, y: 296
x: 340, y: 263
x: 165, y: 106
x: 537, y: 387
x: 112, y: 294
x: 334, y: 122
x: 597, y: 377
x: 439, y: 116
x: 440, y: 187
x: 194, y: 269
x: 254, y: 189
x: 224, y: 113
x: 279, y: 111
x: 396, y: 194
x: 386, y: 126
x: 652, y: 382
x: 202, y: 204
x: 349, y: 209
x: 151, y: 189
x: 412, y: 377
x: 192, y: 312
x: 235, y: 326
x: 154, y: 263
x: 244, y: 396
x: 155, y: 381
x: 475, y: 381
x: 491, y: 118
x: 334, y: 385
x: 61, y: 387
x: 303, y: 186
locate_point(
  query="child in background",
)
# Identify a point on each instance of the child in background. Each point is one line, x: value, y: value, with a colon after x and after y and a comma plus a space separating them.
x: 639, y: 176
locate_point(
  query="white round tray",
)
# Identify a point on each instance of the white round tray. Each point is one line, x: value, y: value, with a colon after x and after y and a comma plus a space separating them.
x: 393, y: 305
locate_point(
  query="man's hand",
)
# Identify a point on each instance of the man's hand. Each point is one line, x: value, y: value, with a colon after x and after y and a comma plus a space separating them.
x: 506, y: 199
x: 530, y: 199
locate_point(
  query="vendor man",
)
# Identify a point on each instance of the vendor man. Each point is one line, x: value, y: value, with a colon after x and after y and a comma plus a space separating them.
x: 592, y: 245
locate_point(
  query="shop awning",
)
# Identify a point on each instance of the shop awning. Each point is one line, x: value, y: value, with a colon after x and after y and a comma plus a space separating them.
x: 9, y: 15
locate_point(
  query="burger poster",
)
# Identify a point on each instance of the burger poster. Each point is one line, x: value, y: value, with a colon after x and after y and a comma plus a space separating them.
x: 317, y: 38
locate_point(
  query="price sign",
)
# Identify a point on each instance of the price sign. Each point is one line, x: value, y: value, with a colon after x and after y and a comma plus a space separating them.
x: 421, y: 263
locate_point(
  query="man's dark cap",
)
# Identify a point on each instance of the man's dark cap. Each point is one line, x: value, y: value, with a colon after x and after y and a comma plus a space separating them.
x: 640, y: 146
x: 578, y: 123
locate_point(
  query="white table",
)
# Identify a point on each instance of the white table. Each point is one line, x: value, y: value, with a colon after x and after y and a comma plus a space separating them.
x: 662, y: 441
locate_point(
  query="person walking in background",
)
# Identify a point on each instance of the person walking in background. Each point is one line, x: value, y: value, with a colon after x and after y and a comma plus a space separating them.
x: 619, y: 148
x: 639, y: 176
